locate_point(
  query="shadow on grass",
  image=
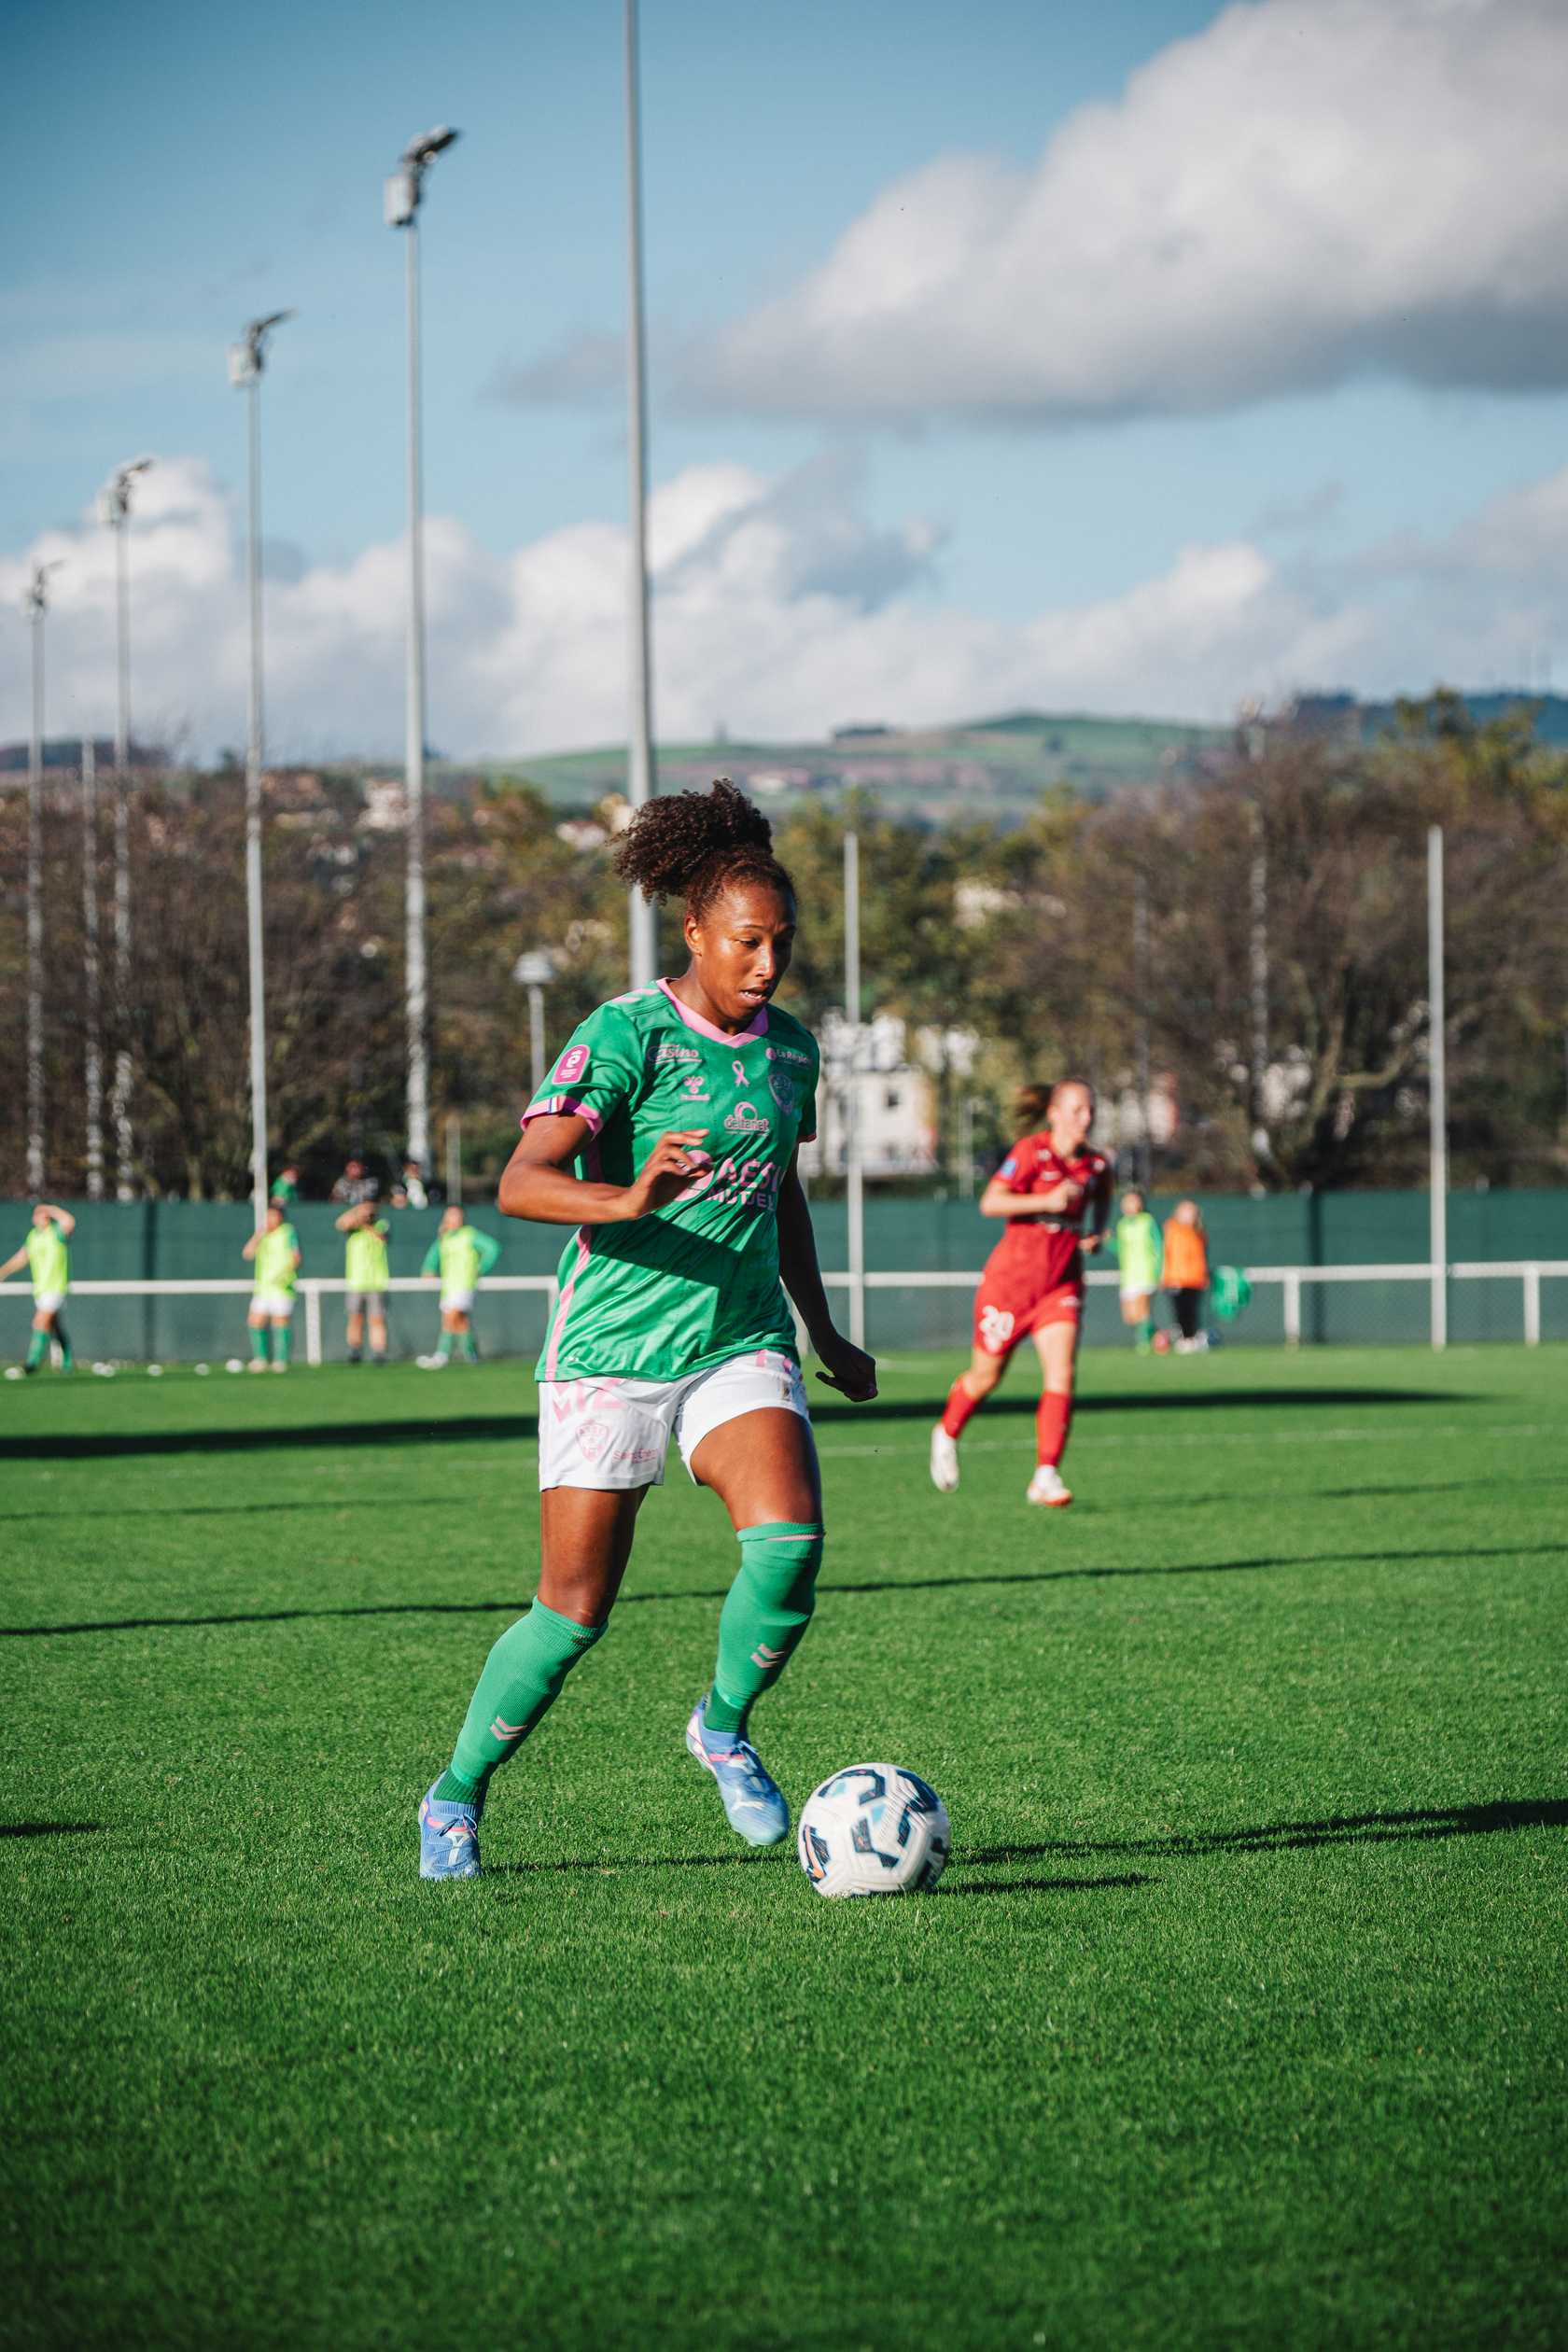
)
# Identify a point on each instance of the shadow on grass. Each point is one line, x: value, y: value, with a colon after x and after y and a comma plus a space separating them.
x: 1091, y: 1510
x: 631, y: 1865
x: 49, y: 1829
x: 1037, y: 1886
x: 484, y: 1428
x: 1041, y: 1577
x: 1280, y: 1837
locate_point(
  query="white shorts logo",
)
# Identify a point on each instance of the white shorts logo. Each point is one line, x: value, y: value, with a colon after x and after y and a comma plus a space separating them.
x: 995, y: 1327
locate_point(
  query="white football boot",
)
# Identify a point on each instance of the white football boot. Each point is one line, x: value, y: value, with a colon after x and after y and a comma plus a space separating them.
x: 943, y: 1461
x: 1047, y: 1487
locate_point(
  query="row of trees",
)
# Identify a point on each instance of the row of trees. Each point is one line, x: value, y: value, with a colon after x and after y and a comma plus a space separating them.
x: 1145, y: 934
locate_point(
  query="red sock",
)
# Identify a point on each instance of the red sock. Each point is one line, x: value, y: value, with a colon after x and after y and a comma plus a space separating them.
x: 958, y: 1408
x: 1052, y: 1422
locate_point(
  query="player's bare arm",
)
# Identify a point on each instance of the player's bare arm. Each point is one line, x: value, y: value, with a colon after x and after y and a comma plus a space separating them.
x: 998, y: 1201
x: 13, y: 1266
x: 537, y: 1185
x: 844, y: 1367
x: 62, y: 1217
x: 249, y: 1249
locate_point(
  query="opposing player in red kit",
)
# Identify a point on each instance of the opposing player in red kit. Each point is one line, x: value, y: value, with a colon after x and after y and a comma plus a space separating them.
x: 1054, y: 1192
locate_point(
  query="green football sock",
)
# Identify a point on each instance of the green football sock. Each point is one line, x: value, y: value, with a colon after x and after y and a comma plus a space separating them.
x: 259, y: 1342
x: 768, y: 1610
x: 521, y: 1679
x: 1146, y: 1332
x: 443, y: 1347
x: 38, y: 1347
x: 67, y: 1361
x: 282, y: 1341
x: 469, y: 1346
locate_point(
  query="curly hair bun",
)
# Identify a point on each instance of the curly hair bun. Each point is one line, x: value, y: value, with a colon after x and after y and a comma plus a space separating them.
x: 694, y: 845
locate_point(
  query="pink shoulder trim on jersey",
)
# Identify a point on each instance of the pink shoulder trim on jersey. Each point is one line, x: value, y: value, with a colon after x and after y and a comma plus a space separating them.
x: 757, y: 1027
x: 563, y: 1107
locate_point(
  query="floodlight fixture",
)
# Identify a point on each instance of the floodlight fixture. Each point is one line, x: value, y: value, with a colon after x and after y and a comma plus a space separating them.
x: 248, y: 357
x: 35, y: 601
x: 114, y: 499
x: 406, y: 186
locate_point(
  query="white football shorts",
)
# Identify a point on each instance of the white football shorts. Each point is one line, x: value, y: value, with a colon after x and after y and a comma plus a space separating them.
x: 275, y: 1305
x: 614, y: 1435
x: 47, y: 1302
x: 456, y: 1302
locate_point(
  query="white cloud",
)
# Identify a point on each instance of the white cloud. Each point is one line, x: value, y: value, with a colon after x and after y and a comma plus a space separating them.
x: 1307, y: 192
x: 779, y: 608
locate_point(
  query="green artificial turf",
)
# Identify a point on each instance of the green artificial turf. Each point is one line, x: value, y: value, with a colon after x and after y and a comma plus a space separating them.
x: 1241, y: 2017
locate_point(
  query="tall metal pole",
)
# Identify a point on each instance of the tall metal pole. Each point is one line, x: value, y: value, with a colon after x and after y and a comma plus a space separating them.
x: 117, y: 514
x: 1145, y: 1160
x: 1437, y: 1049
x: 854, y: 1175
x: 414, y: 748
x: 92, y: 1074
x: 246, y: 364
x: 536, y: 1033
x: 642, y: 781
x: 1259, y: 961
x: 119, y: 1101
x: 404, y: 192
x: 37, y: 606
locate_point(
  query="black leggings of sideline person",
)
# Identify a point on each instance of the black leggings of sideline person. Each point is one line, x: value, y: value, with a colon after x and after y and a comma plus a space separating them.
x: 1189, y: 1311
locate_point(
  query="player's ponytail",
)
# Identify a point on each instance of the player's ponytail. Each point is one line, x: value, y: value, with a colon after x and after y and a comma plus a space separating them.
x: 1030, y: 1105
x: 693, y: 845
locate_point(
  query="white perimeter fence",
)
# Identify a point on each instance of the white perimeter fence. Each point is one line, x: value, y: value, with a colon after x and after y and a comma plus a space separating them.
x: 187, y: 1321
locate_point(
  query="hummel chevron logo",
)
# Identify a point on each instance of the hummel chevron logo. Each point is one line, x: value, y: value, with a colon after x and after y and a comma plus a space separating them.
x: 764, y: 1655
x: 501, y: 1730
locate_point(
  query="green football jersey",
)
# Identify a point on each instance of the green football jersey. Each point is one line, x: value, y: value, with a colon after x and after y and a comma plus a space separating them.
x: 48, y: 1261
x: 1139, y: 1252
x: 365, y: 1264
x: 698, y: 1281
x: 461, y: 1257
x: 274, y: 1261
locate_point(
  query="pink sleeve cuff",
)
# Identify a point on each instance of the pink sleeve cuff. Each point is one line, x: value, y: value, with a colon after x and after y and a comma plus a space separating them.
x: 563, y: 1107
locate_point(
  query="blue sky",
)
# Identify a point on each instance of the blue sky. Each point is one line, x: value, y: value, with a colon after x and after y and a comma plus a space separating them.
x: 187, y: 166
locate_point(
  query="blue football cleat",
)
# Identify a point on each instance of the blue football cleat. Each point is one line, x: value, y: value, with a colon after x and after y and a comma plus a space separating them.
x: 753, y: 1801
x: 448, y: 1838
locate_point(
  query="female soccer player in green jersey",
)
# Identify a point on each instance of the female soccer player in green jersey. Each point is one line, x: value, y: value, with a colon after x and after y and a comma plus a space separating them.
x: 667, y: 1135
x: 48, y: 1261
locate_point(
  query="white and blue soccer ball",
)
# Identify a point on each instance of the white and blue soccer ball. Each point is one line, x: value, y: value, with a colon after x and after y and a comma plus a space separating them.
x: 874, y: 1829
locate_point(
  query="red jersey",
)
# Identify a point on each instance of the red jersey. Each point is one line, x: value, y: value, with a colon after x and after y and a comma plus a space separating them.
x: 1040, y: 1253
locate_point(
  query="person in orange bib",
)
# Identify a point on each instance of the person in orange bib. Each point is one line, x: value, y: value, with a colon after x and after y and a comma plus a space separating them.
x: 1186, y: 1273
x: 1054, y: 1191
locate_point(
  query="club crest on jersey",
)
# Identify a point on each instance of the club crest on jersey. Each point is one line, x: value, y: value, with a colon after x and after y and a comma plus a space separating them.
x: 784, y: 1090
x: 746, y: 1119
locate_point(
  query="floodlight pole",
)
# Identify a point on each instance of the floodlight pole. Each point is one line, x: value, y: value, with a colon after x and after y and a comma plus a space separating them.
x: 1144, y: 1159
x: 404, y: 194
x: 116, y: 514
x: 36, y: 605
x: 1438, y: 1094
x: 246, y: 363
x: 853, y: 1172
x: 641, y: 780
x: 92, y: 1074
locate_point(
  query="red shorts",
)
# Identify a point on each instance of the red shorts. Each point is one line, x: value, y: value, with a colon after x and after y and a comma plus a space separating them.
x: 1002, y: 1316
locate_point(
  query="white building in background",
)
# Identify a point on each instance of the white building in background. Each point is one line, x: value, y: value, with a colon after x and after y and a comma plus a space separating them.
x: 894, y: 1094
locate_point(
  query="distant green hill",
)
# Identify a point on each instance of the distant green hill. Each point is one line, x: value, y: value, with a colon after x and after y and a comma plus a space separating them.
x: 988, y: 767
